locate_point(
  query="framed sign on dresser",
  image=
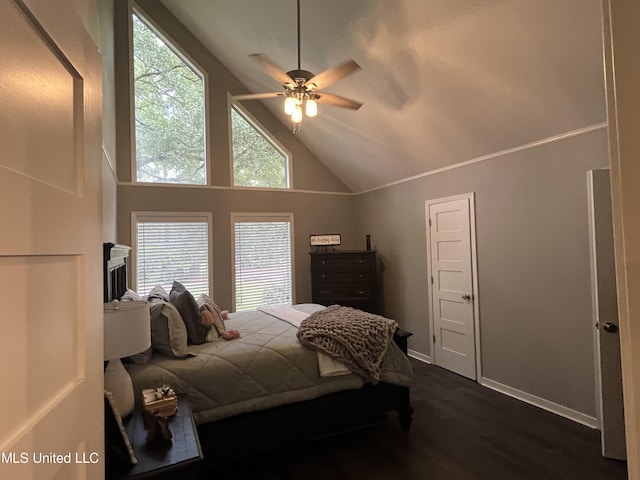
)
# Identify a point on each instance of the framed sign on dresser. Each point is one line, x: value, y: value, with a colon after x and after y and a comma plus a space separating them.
x: 348, y: 277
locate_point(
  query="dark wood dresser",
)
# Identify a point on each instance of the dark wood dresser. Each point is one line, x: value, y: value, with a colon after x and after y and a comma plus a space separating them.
x: 348, y: 278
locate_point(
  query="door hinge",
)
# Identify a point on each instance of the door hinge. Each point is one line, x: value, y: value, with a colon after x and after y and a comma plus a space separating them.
x: 429, y: 221
x: 434, y: 338
x: 431, y: 279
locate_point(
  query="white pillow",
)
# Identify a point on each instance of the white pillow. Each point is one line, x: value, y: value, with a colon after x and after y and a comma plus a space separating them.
x: 130, y: 296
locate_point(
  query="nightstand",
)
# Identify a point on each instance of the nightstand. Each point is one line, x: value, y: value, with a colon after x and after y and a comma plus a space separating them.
x: 179, y: 459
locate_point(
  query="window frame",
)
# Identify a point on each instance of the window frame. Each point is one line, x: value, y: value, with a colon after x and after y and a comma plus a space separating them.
x: 168, y: 217
x: 134, y: 8
x: 238, y: 217
x: 248, y: 116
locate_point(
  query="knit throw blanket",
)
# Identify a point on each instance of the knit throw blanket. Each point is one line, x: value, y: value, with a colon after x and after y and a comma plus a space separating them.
x: 356, y: 338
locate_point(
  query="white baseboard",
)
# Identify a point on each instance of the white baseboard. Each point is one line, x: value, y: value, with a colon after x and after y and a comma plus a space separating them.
x: 419, y: 356
x: 541, y: 403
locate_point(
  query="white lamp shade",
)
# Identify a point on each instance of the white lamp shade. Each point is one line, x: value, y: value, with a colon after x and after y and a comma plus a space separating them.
x: 127, y: 329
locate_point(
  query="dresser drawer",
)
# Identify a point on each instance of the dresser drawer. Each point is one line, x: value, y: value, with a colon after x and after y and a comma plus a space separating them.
x: 343, y: 291
x: 327, y: 264
x: 331, y: 277
x: 364, y: 304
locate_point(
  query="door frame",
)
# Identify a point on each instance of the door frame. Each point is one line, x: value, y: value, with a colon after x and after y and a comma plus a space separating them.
x: 470, y: 197
x: 608, y: 378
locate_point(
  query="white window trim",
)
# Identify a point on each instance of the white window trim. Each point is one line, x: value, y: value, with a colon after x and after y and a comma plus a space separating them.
x: 188, y: 59
x: 261, y: 217
x: 139, y: 216
x: 231, y: 102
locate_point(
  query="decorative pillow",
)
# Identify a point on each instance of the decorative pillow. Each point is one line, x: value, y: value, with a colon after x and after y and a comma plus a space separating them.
x: 131, y: 296
x: 168, y: 331
x: 190, y: 312
x: 117, y: 444
x: 158, y: 292
x: 206, y: 301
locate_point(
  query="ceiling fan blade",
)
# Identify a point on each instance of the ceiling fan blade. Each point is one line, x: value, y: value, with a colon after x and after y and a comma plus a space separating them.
x: 273, y: 69
x: 332, y: 75
x: 337, y: 101
x: 257, y: 96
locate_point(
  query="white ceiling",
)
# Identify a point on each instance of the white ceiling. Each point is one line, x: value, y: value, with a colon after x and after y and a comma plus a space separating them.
x: 442, y: 81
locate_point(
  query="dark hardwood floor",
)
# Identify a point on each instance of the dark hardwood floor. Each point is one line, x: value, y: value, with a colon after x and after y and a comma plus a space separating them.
x: 460, y: 431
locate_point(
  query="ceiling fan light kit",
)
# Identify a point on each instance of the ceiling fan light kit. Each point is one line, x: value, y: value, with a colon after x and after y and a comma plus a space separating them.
x: 301, y: 88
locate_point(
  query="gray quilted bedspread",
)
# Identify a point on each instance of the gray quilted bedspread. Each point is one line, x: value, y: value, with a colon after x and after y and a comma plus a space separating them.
x: 266, y: 367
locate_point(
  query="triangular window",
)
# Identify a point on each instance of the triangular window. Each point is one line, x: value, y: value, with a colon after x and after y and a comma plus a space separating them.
x: 257, y: 160
x: 169, y: 111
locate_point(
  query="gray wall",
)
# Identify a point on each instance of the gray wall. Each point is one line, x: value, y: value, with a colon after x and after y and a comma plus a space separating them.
x: 313, y: 213
x: 320, y: 202
x: 100, y: 25
x: 533, y: 263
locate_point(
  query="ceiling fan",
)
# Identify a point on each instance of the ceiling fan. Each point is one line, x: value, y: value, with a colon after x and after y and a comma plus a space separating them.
x: 301, y: 88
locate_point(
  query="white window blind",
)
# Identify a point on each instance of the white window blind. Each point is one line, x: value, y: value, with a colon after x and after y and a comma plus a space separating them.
x: 173, y: 250
x: 263, y: 263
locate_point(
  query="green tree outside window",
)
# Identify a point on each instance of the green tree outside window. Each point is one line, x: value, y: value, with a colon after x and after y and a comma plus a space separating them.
x: 169, y: 112
x: 257, y: 162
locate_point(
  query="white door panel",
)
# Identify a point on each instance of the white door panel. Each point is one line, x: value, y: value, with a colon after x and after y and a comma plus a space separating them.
x: 51, y: 243
x: 451, y: 292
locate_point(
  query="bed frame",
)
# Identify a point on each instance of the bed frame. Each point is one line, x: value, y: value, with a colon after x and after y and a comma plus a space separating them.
x: 114, y: 270
x: 236, y: 437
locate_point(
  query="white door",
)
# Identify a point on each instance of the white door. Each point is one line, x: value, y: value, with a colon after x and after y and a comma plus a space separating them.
x: 51, y: 407
x: 605, y: 317
x: 621, y: 40
x: 452, y: 294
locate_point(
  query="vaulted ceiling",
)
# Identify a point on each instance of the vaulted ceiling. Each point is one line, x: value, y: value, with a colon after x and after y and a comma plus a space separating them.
x: 442, y: 81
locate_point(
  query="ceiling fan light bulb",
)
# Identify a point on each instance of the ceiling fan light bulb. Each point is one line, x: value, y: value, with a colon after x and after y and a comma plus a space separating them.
x: 289, y: 105
x: 311, y: 108
x: 296, y: 116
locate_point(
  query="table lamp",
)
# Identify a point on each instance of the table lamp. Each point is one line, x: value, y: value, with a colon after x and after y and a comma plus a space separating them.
x: 127, y: 331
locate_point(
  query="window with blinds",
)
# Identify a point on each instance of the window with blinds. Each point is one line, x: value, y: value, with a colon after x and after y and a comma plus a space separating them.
x: 263, y: 260
x: 172, y: 248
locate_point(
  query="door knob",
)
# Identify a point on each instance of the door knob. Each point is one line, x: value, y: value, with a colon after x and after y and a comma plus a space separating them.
x: 610, y: 327
x: 466, y: 297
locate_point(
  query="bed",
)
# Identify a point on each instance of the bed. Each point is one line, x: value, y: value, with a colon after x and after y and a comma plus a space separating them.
x: 264, y: 389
